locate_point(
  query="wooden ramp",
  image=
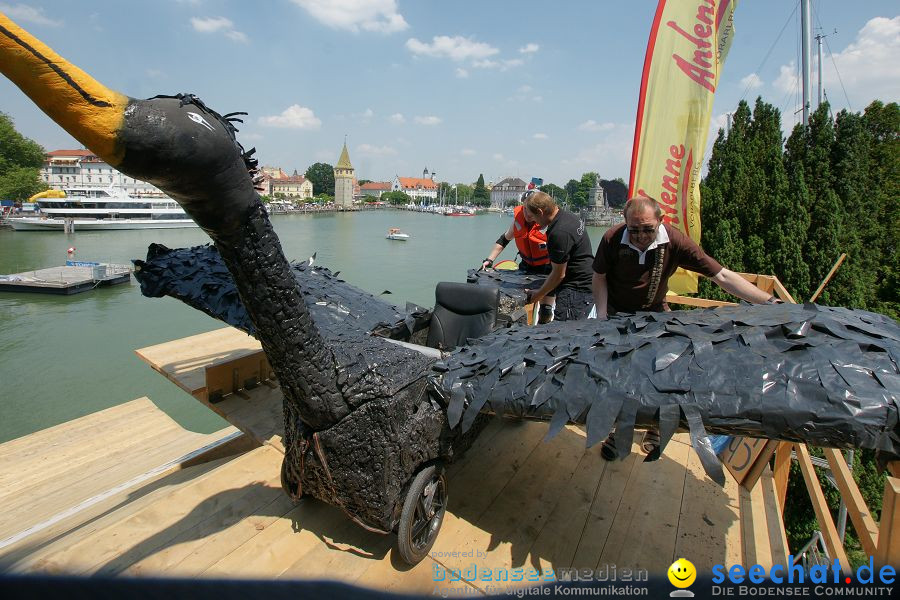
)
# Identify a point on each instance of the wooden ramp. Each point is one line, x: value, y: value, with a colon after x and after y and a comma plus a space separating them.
x: 61, y: 476
x: 515, y: 502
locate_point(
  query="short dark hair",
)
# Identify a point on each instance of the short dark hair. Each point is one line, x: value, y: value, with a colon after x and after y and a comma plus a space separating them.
x: 642, y: 203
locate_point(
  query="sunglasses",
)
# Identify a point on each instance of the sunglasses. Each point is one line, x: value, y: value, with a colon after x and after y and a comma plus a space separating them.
x: 526, y: 194
x: 641, y: 230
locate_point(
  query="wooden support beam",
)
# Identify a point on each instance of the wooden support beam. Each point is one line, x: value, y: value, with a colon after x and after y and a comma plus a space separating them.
x: 823, y: 515
x: 888, y: 552
x: 782, y: 292
x: 827, y: 278
x: 865, y: 525
x: 782, y: 470
x: 691, y: 301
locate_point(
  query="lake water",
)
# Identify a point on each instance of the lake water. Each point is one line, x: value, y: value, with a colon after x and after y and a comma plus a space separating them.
x: 62, y: 357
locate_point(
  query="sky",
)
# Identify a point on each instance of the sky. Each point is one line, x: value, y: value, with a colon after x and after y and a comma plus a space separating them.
x: 521, y: 88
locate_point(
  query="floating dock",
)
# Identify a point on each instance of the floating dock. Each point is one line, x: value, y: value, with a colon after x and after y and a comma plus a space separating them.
x: 72, y: 278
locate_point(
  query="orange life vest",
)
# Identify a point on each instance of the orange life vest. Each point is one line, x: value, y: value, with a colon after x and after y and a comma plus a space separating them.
x: 530, y: 240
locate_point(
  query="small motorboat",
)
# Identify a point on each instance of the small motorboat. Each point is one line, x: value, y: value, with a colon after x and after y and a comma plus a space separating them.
x: 394, y: 233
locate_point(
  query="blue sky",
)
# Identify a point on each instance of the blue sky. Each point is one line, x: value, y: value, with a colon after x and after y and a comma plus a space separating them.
x: 499, y: 87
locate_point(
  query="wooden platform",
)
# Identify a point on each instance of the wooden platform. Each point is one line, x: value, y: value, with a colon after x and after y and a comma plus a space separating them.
x: 65, y: 280
x: 515, y: 502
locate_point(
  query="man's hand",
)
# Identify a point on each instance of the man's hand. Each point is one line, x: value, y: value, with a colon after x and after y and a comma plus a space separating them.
x: 529, y: 299
x: 486, y: 264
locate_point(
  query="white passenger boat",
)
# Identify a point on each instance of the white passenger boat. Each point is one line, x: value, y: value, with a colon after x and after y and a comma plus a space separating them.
x: 95, y: 208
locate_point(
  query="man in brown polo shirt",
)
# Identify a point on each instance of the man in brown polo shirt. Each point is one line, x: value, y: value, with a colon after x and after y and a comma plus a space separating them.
x: 632, y: 267
x: 635, y: 260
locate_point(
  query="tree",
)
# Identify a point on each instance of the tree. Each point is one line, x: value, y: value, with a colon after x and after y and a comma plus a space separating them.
x: 464, y: 192
x: 616, y: 191
x: 554, y: 191
x: 322, y: 177
x: 20, y: 163
x: 396, y: 198
x: 364, y: 181
x: 480, y: 192
x: 571, y: 191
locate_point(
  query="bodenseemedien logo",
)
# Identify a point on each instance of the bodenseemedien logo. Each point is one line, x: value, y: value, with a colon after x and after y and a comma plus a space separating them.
x: 682, y: 574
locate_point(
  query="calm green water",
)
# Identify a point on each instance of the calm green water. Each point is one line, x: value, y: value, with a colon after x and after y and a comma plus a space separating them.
x: 65, y: 357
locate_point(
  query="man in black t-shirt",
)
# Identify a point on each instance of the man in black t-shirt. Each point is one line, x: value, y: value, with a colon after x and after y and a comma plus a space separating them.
x: 571, y: 258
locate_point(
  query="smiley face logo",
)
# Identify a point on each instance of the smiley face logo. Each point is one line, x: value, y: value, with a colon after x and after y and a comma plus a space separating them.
x: 682, y: 573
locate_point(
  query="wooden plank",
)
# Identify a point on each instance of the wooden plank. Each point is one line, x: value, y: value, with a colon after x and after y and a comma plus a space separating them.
x: 504, y: 533
x: 236, y: 374
x: 823, y: 516
x: 863, y: 522
x: 637, y: 540
x: 107, y: 511
x: 782, y: 292
x: 888, y: 552
x: 222, y: 530
x: 754, y: 528
x: 709, y: 527
x: 150, y: 529
x: 746, y: 457
x: 184, y: 361
x: 828, y: 277
x: 778, y: 545
x: 604, y: 506
x: 692, y: 301
x: 782, y: 470
x: 558, y: 540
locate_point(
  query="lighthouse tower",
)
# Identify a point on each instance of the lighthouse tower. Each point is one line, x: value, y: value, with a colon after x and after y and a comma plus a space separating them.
x: 343, y: 181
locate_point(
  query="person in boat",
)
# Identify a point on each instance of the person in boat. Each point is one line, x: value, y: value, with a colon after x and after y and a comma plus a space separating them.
x: 631, y: 272
x: 569, y: 251
x: 531, y: 243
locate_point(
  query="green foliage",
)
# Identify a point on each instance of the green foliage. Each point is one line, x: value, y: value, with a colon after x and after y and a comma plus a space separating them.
x: 790, y: 210
x: 464, y: 192
x: 554, y: 191
x: 322, y: 177
x: 322, y: 199
x: 396, y: 198
x: 480, y: 192
x: 571, y: 191
x: 20, y: 183
x: 20, y: 163
x: 364, y: 181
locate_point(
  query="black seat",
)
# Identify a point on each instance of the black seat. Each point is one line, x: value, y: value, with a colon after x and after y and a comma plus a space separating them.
x: 462, y: 311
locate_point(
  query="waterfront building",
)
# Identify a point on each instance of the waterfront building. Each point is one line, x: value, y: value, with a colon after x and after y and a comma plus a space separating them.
x: 506, y: 191
x: 273, y: 180
x: 344, y: 181
x: 82, y: 168
x: 420, y: 189
x: 374, y: 189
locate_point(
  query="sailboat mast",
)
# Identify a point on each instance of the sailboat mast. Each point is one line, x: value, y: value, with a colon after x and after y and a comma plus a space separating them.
x: 805, y: 50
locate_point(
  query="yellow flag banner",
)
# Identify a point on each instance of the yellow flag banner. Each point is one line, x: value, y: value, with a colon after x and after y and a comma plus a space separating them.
x: 687, y: 48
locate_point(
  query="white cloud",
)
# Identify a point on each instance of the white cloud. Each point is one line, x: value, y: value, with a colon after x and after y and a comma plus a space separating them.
x: 751, y: 82
x: 353, y: 15
x: 503, y: 65
x: 868, y: 68
x: 540, y: 136
x: 28, y: 14
x: 462, y: 73
x: 592, y: 125
x: 293, y: 117
x: 369, y: 150
x: 524, y: 89
x: 497, y: 156
x: 529, y: 48
x: 467, y: 152
x: 455, y: 48
x: 397, y: 118
x: 217, y: 24
x: 610, y: 156
x: 429, y: 120
x: 787, y: 80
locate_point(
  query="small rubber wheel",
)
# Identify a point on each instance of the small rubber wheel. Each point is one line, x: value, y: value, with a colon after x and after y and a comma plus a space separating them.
x: 422, y: 514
